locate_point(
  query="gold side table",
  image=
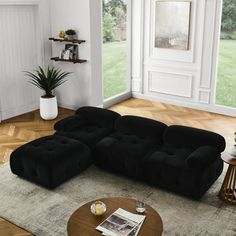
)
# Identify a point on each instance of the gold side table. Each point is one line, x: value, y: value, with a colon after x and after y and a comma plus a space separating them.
x: 228, y: 189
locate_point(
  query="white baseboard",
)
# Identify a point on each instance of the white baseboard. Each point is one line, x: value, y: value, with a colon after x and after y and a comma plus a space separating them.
x: 116, y: 99
x: 67, y: 106
x: 6, y: 114
x: 209, y: 108
x: 73, y: 107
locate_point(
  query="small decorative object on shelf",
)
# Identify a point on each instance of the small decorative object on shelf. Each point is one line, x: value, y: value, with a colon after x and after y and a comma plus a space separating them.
x: 70, y: 34
x: 232, y: 151
x: 61, y: 34
x: 71, y: 51
x: 98, y: 208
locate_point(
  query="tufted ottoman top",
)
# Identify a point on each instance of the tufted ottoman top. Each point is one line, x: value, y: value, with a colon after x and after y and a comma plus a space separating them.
x: 50, y: 160
x: 49, y: 149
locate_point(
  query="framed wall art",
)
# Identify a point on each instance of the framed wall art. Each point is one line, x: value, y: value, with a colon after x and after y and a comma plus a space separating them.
x: 172, y: 24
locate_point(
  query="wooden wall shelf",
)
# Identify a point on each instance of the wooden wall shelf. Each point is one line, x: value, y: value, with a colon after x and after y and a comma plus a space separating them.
x: 74, y: 41
x: 79, y: 41
x: 69, y: 60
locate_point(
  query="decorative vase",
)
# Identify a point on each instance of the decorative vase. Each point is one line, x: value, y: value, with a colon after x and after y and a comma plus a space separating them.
x: 232, y: 152
x: 98, y: 208
x: 48, y: 108
x: 70, y: 37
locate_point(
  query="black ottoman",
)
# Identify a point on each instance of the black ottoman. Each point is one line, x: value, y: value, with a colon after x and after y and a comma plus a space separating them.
x: 51, y: 160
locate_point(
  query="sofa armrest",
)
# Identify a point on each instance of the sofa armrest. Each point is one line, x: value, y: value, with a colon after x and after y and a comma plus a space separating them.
x: 69, y: 123
x: 202, y: 157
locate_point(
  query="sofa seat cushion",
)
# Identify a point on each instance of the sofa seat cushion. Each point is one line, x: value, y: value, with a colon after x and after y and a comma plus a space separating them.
x: 88, y: 135
x: 123, y: 153
x: 173, y: 156
x: 51, y: 160
x: 173, y: 174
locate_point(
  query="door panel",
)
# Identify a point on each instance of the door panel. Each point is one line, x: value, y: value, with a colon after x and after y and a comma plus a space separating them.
x: 18, y: 48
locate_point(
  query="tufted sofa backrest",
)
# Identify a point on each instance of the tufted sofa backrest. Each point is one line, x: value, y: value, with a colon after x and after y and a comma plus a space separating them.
x: 98, y: 116
x: 182, y: 136
x: 142, y: 127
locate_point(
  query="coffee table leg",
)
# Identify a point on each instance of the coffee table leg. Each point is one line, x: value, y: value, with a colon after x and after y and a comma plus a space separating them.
x: 228, y: 189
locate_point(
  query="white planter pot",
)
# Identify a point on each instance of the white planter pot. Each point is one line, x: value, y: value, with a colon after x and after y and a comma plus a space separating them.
x: 48, y: 108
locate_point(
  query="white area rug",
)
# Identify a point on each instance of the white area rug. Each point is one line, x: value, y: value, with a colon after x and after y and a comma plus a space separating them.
x: 46, y: 213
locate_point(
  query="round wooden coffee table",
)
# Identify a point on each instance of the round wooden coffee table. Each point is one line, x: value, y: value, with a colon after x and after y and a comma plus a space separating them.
x: 83, y: 223
x: 228, y: 189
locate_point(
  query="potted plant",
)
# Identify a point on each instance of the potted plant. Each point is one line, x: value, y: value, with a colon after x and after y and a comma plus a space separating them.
x: 47, y: 80
x: 70, y: 34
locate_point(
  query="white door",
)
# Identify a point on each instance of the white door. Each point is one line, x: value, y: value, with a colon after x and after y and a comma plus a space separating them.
x: 18, y: 53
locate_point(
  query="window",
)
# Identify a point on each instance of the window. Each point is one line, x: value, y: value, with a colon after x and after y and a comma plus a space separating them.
x: 116, y: 46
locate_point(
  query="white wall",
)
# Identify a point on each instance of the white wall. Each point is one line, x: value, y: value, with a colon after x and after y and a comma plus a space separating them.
x: 25, y: 28
x: 175, y: 76
x: 96, y: 91
x: 178, y: 77
x: 84, y: 87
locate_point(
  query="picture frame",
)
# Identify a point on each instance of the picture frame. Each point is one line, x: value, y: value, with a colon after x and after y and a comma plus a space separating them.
x: 172, y: 24
x: 71, y: 52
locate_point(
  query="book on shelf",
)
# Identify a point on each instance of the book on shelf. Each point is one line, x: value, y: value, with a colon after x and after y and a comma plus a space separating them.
x: 121, y: 223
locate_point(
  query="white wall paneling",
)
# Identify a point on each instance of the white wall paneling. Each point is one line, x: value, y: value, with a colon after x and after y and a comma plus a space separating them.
x: 171, y: 54
x: 42, y: 27
x: 136, y: 84
x: 178, y: 77
x: 18, y: 53
x: 170, y: 83
x: 207, y: 49
x: 215, y: 29
x: 180, y: 69
x: 204, y: 97
x: 23, y: 47
x: 137, y: 45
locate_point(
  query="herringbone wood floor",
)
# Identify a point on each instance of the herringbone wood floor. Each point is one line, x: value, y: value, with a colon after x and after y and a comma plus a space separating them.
x: 19, y: 130
x: 9, y: 229
x: 170, y: 115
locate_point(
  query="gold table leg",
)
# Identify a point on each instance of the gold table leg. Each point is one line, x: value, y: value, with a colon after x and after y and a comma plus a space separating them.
x: 228, y: 189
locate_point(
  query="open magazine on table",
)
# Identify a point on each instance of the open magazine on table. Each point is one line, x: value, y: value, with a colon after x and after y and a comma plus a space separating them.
x: 121, y: 223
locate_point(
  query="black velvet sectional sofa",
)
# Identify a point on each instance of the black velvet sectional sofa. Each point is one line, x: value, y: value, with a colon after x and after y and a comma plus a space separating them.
x: 181, y: 159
